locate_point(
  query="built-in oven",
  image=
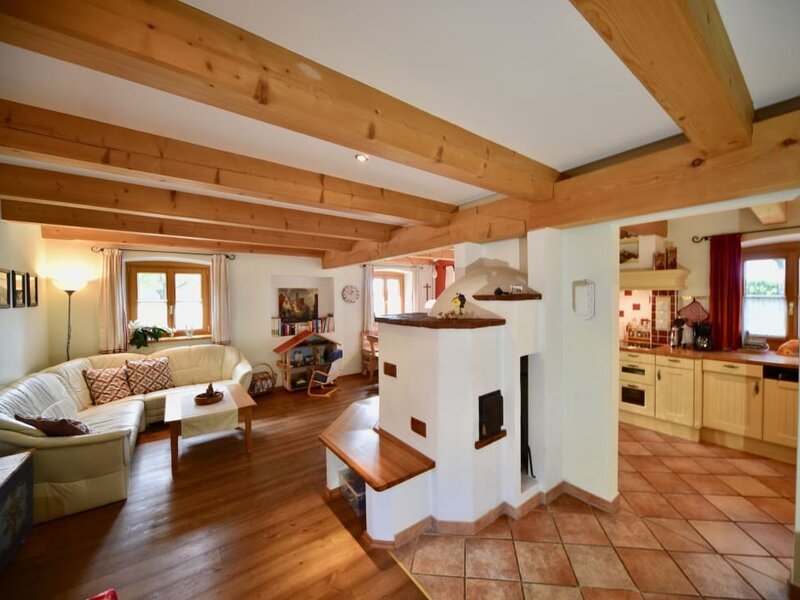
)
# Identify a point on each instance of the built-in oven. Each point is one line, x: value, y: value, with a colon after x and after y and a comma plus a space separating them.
x: 637, y: 384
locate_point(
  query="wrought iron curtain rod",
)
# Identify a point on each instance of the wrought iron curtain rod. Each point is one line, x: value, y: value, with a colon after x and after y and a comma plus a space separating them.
x: 98, y: 249
x: 704, y: 238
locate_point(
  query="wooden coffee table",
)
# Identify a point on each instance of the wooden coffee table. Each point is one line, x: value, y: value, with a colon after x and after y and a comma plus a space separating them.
x: 176, y: 409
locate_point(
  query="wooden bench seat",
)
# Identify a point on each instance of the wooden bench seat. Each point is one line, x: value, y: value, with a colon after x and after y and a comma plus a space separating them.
x: 379, y: 458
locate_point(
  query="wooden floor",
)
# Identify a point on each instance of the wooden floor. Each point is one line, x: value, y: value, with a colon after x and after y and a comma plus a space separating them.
x: 229, y: 526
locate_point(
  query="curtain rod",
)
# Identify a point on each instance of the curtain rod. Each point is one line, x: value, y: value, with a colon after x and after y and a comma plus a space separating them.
x: 697, y: 238
x: 98, y: 249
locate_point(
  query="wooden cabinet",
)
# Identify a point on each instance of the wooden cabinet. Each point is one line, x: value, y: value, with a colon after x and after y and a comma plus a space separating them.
x: 733, y: 398
x: 675, y: 394
x: 780, y: 406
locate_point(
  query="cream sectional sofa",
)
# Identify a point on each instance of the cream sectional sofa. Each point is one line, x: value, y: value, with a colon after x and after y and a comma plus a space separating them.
x: 72, y: 474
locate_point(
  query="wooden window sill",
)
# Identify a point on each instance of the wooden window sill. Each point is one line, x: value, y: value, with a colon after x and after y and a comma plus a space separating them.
x: 178, y: 338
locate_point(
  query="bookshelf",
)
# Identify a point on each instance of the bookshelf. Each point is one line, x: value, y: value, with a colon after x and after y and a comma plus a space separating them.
x: 299, y: 304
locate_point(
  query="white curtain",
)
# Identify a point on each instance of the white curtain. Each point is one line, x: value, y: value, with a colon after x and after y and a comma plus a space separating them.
x: 113, y: 321
x: 220, y: 317
x: 369, y: 314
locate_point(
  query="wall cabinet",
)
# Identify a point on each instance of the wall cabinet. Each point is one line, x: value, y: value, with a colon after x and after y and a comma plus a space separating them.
x: 675, y: 394
x: 733, y: 398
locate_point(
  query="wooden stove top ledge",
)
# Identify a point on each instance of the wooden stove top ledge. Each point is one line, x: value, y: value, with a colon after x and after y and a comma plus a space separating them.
x: 380, y: 459
x: 509, y: 297
x: 424, y: 320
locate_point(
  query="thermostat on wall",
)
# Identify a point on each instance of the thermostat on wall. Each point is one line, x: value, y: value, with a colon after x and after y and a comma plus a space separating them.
x: 583, y: 298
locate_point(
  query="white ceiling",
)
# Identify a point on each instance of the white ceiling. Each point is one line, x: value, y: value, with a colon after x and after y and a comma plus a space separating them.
x: 529, y: 74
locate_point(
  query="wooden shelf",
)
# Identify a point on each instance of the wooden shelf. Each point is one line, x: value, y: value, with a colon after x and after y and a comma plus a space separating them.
x: 663, y: 279
x: 491, y: 440
x: 379, y: 458
x: 424, y: 320
x: 509, y: 297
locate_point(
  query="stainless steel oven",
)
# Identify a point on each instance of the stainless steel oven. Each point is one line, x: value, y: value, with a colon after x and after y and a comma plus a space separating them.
x: 637, y: 384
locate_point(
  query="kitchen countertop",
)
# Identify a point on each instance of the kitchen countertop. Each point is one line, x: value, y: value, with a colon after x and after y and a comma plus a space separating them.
x: 757, y: 357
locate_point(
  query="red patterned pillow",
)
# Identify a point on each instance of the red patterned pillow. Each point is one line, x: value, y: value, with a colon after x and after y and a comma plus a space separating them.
x: 149, y: 375
x: 107, y: 385
x: 56, y: 427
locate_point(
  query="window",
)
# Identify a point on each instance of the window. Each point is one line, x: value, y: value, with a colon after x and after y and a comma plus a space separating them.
x: 174, y: 295
x: 769, y: 305
x: 388, y: 293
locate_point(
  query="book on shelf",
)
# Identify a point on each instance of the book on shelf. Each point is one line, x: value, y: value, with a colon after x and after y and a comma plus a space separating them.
x: 285, y: 328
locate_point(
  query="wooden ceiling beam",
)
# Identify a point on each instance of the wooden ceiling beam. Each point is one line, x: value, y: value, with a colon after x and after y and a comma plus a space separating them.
x: 679, y: 50
x: 138, y: 240
x: 771, y: 214
x: 22, y: 183
x: 174, y: 47
x: 668, y: 179
x: 66, y: 140
x: 480, y: 224
x: 678, y: 177
x: 50, y: 214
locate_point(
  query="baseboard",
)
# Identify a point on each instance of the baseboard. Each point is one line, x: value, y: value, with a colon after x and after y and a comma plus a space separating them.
x: 684, y: 432
x: 371, y: 544
x: 329, y: 495
x: 794, y: 591
x: 469, y: 527
x: 591, y: 499
x: 746, y: 444
x: 403, y: 537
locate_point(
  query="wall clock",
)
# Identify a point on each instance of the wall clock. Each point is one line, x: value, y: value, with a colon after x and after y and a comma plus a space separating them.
x: 350, y: 294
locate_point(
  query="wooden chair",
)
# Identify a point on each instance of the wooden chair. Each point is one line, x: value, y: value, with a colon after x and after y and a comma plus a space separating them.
x: 370, y: 354
x: 324, y: 380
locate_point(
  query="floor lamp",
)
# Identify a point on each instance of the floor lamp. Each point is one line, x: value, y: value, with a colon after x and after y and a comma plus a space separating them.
x: 70, y: 286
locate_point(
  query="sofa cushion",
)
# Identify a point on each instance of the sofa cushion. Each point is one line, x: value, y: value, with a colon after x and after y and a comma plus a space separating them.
x: 55, y: 427
x: 71, y: 375
x: 107, y: 385
x: 38, y: 394
x: 103, y: 361
x: 116, y: 416
x: 195, y: 364
x: 149, y: 375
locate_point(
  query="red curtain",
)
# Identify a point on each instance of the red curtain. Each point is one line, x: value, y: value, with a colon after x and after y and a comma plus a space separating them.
x: 725, y: 288
x: 441, y: 265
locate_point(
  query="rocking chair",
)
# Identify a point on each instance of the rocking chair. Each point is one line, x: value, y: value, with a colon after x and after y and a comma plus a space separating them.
x: 325, y: 380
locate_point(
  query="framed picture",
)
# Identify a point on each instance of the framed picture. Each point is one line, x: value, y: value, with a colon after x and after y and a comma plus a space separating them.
x: 18, y: 289
x: 33, y: 289
x: 298, y: 304
x: 5, y: 288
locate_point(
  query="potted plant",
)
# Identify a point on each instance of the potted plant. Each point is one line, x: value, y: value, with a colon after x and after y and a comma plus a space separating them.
x: 140, y: 335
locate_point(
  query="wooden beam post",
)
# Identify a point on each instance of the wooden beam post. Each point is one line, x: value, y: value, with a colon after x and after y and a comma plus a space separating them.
x: 66, y: 140
x: 679, y: 50
x: 23, y: 183
x: 771, y: 214
x: 177, y: 48
x: 49, y: 214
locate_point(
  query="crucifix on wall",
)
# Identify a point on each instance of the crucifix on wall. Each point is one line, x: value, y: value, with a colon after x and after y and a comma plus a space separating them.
x: 427, y: 287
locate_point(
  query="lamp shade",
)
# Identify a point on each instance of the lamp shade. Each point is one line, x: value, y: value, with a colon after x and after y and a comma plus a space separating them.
x: 69, y: 284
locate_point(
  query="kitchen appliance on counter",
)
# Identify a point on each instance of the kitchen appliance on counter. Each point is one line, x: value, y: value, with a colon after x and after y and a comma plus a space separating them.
x: 676, y: 333
x: 702, y: 336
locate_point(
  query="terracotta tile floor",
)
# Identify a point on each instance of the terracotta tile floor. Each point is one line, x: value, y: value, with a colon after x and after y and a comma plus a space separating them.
x: 694, y: 520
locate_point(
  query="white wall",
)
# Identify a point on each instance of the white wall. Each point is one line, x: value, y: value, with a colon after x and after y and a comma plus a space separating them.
x: 590, y: 360
x: 23, y: 331
x: 253, y: 302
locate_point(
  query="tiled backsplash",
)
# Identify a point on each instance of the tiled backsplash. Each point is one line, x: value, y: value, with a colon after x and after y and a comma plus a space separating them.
x: 661, y: 307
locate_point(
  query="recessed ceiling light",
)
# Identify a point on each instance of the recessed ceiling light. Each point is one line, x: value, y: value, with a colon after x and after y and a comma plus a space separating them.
x: 361, y: 157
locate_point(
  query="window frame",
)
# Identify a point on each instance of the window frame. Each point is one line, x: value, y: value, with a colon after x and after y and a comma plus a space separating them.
x: 133, y: 268
x: 790, y: 252
x: 394, y: 275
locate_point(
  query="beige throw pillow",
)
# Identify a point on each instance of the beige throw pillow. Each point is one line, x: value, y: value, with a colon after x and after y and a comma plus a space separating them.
x: 149, y: 375
x: 107, y: 385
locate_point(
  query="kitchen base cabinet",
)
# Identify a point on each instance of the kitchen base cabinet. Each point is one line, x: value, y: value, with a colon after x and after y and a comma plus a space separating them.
x: 780, y: 406
x: 733, y: 399
x: 675, y: 390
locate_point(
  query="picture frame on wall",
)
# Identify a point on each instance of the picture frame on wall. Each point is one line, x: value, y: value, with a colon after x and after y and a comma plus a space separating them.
x: 5, y: 288
x: 298, y: 304
x: 32, y: 282
x: 18, y: 289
